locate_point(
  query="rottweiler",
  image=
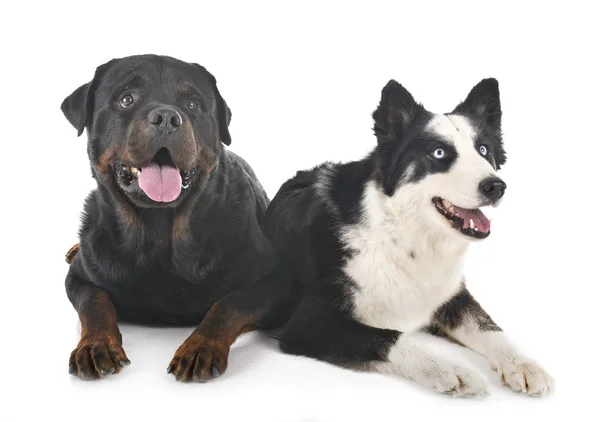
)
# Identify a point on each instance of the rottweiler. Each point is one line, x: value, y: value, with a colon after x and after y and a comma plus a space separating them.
x: 172, y: 234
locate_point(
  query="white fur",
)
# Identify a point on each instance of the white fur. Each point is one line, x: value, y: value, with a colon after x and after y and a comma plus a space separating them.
x: 411, y: 359
x: 461, y: 184
x: 404, y: 268
x: 395, y: 290
x: 518, y: 372
x: 322, y: 185
x: 407, y: 261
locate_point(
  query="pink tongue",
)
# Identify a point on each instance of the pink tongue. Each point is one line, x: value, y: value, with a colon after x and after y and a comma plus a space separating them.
x: 479, y: 219
x: 160, y: 183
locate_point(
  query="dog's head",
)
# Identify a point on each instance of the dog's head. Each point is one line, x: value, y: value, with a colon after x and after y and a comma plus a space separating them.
x: 154, y: 126
x: 442, y: 166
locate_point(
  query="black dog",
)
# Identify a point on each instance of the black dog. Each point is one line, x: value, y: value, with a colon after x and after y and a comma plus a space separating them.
x: 172, y: 235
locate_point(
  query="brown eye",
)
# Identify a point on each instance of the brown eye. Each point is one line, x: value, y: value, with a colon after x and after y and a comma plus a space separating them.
x: 126, y: 100
x: 192, y: 105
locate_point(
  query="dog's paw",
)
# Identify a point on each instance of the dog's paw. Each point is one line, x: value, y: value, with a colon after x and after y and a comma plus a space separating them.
x: 199, y: 359
x: 526, y: 376
x: 454, y: 380
x: 97, y: 356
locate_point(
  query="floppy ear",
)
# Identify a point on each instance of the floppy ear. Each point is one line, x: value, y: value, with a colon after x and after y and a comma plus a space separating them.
x: 482, y: 105
x: 79, y: 106
x: 396, y: 111
x: 74, y: 107
x: 223, y: 111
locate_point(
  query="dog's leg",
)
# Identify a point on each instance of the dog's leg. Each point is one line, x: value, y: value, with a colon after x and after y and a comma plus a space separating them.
x: 204, y: 353
x: 464, y: 320
x: 345, y: 342
x: 99, y: 352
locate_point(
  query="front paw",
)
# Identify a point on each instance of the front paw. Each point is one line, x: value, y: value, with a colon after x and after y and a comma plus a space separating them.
x: 199, y: 359
x: 97, y: 355
x: 526, y: 376
x: 454, y: 380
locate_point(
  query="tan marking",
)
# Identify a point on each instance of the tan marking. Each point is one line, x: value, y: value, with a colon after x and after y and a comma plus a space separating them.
x: 207, y: 160
x: 128, y: 215
x: 104, y: 164
x: 181, y: 227
x: 70, y: 256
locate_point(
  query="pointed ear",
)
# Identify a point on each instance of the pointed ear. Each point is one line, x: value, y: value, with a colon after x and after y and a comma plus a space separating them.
x: 397, y: 110
x: 482, y: 105
x: 79, y: 106
x: 223, y: 111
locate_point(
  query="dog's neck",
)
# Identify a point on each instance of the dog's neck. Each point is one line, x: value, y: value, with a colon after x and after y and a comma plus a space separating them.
x: 401, y: 219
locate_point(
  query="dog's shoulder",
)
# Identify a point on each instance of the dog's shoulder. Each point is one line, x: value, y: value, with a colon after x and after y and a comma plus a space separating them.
x: 300, y: 200
x: 243, y: 202
x: 243, y: 183
x: 331, y: 189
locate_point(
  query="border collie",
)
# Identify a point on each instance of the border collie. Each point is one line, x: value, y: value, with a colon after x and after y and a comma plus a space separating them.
x: 377, y: 247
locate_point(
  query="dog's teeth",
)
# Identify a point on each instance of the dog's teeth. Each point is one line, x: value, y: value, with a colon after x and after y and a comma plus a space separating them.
x: 452, y: 210
x: 471, y: 224
x: 476, y: 229
x: 135, y: 171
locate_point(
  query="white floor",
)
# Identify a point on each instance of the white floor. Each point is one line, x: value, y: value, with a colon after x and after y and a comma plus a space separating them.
x: 261, y: 383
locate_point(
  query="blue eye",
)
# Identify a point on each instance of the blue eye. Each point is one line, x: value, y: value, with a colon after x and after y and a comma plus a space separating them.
x: 483, y: 150
x: 439, y: 153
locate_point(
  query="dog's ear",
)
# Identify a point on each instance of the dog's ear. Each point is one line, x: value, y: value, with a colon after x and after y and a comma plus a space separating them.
x: 396, y: 111
x: 482, y: 105
x: 223, y: 111
x: 79, y: 106
x: 75, y: 109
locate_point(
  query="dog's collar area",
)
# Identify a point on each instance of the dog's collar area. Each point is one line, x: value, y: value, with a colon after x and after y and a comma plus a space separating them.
x: 470, y: 222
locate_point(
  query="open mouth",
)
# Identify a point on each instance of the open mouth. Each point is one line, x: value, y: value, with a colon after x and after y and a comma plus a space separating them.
x: 160, y: 179
x: 470, y: 222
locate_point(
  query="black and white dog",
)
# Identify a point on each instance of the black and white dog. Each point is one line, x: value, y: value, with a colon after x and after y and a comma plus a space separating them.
x: 377, y: 247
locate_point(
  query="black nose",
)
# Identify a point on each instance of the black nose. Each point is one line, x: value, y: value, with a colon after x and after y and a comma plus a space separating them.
x: 165, y: 119
x: 492, y: 188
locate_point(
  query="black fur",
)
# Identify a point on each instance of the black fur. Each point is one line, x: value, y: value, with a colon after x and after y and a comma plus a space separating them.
x: 169, y: 263
x: 304, y: 230
x: 305, y: 217
x: 482, y: 107
x: 453, y: 313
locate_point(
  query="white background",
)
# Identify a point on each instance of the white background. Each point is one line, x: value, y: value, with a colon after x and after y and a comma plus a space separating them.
x: 301, y: 82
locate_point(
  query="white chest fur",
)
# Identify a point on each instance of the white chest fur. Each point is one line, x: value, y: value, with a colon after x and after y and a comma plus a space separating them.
x: 402, y: 274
